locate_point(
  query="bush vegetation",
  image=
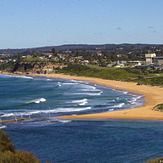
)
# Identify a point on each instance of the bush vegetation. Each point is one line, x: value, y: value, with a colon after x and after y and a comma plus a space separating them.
x: 35, y: 59
x: 9, y: 155
x: 158, y: 160
x: 159, y: 107
x: 139, y: 75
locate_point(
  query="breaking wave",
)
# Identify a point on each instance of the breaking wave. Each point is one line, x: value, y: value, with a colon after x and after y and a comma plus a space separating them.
x: 19, y: 76
x: 37, y: 101
x: 118, y: 106
x: 134, y: 99
x: 58, y: 110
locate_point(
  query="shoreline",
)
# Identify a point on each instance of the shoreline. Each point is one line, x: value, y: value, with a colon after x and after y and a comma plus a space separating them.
x: 153, y: 95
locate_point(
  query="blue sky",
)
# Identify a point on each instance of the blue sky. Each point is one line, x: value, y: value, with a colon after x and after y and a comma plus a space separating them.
x: 35, y: 23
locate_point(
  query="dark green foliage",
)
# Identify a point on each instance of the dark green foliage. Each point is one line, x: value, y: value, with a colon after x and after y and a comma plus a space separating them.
x: 158, y: 160
x: 9, y: 67
x: 105, y: 73
x: 159, y: 107
x: 9, y: 155
x: 138, y: 75
x: 155, y: 81
x: 5, y: 142
x: 54, y: 52
x: 142, y: 70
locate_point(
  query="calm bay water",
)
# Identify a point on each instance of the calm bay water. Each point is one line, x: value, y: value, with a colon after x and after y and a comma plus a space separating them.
x: 75, y: 141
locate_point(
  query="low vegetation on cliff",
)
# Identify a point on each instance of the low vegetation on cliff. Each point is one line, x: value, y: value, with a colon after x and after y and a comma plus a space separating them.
x: 139, y: 75
x: 9, y: 155
x: 158, y: 160
x: 158, y: 107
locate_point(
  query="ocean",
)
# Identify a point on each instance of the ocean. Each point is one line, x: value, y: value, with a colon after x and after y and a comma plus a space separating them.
x: 69, y: 141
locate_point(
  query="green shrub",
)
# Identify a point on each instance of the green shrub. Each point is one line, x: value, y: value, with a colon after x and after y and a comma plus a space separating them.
x: 159, y: 107
x: 158, y: 160
x: 9, y: 155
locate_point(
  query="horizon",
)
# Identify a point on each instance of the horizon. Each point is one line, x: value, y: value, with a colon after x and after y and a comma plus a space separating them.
x: 43, y: 23
x: 81, y: 44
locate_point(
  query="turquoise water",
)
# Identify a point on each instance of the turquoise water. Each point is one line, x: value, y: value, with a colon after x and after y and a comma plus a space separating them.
x: 75, y: 141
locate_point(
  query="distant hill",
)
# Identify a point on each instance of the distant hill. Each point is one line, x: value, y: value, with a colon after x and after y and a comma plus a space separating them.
x: 75, y: 46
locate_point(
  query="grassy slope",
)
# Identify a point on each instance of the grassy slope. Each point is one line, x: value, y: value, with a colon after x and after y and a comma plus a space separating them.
x: 122, y: 74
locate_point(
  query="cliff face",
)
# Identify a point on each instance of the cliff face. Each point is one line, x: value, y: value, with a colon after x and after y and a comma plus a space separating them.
x: 37, y: 67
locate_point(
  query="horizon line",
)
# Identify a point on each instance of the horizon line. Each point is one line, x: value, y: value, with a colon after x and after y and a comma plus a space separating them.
x: 84, y: 44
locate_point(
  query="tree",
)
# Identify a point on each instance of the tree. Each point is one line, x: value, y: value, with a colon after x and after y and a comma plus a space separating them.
x: 34, y: 55
x: 53, y: 51
x: 18, y: 57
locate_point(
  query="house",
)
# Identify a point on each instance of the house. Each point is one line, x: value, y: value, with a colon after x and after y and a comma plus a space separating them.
x: 157, y: 61
x: 149, y: 58
x: 85, y: 62
x: 99, y: 54
x: 49, y: 55
x: 29, y: 56
x: 135, y: 63
x: 120, y: 55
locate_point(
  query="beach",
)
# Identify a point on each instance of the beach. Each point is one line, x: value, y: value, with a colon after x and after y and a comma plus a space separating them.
x: 153, y: 95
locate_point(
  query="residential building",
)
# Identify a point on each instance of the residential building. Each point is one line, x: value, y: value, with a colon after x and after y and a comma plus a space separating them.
x: 134, y: 63
x: 157, y: 61
x: 149, y: 58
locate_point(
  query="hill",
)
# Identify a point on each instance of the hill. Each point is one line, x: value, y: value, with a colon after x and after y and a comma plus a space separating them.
x: 79, y: 46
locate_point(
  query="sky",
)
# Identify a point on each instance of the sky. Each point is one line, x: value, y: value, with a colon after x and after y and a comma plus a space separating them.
x: 37, y: 23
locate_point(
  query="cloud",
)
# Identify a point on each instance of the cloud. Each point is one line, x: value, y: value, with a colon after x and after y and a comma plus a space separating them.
x: 119, y: 28
x: 98, y: 33
x: 150, y: 27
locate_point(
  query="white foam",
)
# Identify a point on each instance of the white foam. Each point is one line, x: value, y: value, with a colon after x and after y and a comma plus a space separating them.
x: 87, y: 86
x: 111, y: 100
x: 61, y: 110
x: 90, y: 90
x: 83, y: 103
x: 37, y: 101
x: 59, y: 84
x: 134, y: 99
x: 8, y: 115
x: 20, y: 76
x: 2, y: 127
x: 58, y: 110
x: 79, y: 101
x: 118, y: 106
x: 64, y: 121
x: 69, y: 83
x: 110, y: 109
x: 89, y: 94
x: 42, y: 99
x: 124, y: 92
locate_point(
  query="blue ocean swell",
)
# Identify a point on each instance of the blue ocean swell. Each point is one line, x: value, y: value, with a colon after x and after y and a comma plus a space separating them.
x: 76, y: 141
x: 37, y: 96
x: 90, y: 141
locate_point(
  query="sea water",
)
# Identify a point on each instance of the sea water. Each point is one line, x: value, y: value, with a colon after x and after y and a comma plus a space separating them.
x: 75, y: 141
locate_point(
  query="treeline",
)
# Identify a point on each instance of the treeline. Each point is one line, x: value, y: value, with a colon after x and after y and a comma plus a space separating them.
x: 139, y: 75
x: 9, y: 155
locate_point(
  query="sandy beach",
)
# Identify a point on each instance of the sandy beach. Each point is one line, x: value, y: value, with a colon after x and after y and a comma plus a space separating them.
x: 153, y: 95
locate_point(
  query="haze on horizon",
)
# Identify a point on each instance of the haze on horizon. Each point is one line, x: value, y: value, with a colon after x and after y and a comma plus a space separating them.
x: 36, y: 23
